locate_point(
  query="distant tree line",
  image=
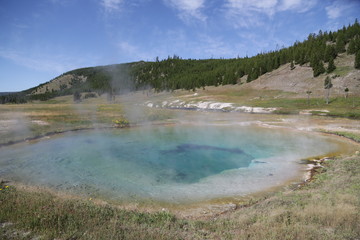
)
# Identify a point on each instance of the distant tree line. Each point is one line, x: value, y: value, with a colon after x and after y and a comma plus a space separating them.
x: 176, y: 73
x: 318, y: 50
x: 13, y: 98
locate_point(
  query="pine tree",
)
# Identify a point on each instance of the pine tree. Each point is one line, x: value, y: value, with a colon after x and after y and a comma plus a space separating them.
x: 331, y: 67
x: 330, y: 52
x: 77, y: 97
x: 351, y: 48
x: 328, y: 85
x: 308, y: 92
x: 253, y: 75
x: 314, y: 60
x: 319, y: 69
x: 340, y: 43
x: 276, y: 62
x: 292, y: 67
x: 317, y: 66
x: 357, y: 43
x: 357, y: 60
x: 346, y: 90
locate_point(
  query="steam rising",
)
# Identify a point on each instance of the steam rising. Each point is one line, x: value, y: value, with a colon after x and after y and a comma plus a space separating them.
x: 200, y: 157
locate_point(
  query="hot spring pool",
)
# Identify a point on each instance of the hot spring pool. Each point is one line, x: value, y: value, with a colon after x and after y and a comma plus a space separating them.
x: 175, y: 164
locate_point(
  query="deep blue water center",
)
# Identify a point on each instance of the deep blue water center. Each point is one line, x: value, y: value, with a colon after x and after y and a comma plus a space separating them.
x: 192, y: 162
x: 166, y: 163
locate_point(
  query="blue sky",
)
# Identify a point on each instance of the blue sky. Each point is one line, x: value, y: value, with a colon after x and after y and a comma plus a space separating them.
x: 41, y: 39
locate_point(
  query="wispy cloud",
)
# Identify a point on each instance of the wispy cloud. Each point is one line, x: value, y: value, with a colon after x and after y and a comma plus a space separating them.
x: 21, y: 26
x: 188, y: 9
x: 128, y: 48
x: 111, y: 5
x: 336, y: 9
x: 243, y: 6
x: 55, y: 63
x: 254, y: 13
x: 132, y: 52
x: 210, y: 46
x: 180, y: 43
x: 296, y: 5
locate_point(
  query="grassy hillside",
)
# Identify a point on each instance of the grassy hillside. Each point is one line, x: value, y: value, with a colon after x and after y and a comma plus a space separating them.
x: 320, y: 53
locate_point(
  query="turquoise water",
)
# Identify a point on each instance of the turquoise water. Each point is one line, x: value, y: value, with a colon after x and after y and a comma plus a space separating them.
x: 165, y: 163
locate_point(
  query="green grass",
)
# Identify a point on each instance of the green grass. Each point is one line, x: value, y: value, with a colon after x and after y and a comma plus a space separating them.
x: 43, y: 214
x: 342, y: 70
x: 285, y: 102
x: 349, y: 135
x: 338, y: 107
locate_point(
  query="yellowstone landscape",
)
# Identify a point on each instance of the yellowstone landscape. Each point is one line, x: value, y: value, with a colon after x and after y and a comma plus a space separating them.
x: 180, y: 119
x: 321, y: 203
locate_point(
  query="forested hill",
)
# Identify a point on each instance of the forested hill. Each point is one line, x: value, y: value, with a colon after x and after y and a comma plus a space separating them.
x: 318, y: 50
